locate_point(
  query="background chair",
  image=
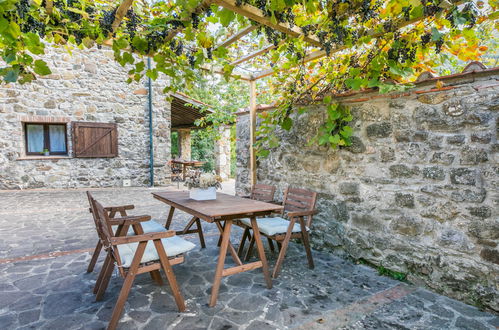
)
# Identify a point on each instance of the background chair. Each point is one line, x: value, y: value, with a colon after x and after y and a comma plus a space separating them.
x: 299, y: 204
x: 263, y: 193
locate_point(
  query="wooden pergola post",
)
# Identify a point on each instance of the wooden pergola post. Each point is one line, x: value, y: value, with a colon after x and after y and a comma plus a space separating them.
x: 252, y: 106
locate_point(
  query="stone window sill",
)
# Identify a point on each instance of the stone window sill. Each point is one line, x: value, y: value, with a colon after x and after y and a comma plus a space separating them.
x: 43, y: 157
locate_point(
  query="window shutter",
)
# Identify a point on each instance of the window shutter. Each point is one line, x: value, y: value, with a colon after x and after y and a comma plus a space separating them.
x: 95, y: 140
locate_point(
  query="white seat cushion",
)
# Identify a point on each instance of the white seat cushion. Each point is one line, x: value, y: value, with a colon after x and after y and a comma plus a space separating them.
x: 272, y: 226
x: 173, y: 246
x: 150, y: 226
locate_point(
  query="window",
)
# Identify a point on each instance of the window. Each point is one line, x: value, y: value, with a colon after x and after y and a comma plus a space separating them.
x: 45, y: 136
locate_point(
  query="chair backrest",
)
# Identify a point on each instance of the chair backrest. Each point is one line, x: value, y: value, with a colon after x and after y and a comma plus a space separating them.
x: 106, y: 231
x: 263, y: 192
x: 94, y: 215
x: 296, y: 199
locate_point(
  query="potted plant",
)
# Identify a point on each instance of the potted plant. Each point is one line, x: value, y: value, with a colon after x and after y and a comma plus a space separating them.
x: 45, y: 152
x: 203, y: 186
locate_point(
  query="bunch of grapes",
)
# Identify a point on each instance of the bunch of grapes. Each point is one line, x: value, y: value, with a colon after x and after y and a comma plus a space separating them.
x: 78, y: 35
x: 367, y: 11
x: 195, y: 20
x: 209, y: 53
x: 179, y: 48
x: 402, y: 52
x: 155, y: 40
x: 192, y: 59
x: 431, y: 7
x: 327, y: 46
x: 438, y: 45
x: 407, y: 12
x: 261, y: 4
x: 425, y: 38
x: 33, y: 25
x: 22, y: 8
x: 106, y: 21
x: 133, y: 21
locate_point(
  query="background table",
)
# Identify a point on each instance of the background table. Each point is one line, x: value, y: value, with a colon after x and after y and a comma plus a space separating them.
x: 185, y: 163
x: 225, y: 208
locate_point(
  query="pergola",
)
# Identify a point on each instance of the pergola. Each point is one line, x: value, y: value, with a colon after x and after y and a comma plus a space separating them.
x: 257, y: 16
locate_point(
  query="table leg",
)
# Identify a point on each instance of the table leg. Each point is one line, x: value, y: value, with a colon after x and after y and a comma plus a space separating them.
x: 231, y: 248
x: 220, y: 263
x: 261, y: 252
x: 170, y: 217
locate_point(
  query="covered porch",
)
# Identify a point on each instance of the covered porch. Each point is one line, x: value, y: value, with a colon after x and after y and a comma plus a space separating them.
x: 185, y: 111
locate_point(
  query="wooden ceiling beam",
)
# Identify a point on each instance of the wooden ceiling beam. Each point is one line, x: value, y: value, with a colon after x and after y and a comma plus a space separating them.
x: 257, y: 15
x: 238, y: 36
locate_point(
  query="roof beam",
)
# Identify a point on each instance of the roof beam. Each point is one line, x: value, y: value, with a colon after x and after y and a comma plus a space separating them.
x: 257, y: 15
x: 238, y: 36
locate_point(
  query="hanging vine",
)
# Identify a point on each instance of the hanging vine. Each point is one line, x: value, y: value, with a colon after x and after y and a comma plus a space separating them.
x: 367, y: 43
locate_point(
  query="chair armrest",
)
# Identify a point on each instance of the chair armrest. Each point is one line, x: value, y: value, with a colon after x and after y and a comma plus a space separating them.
x: 301, y: 213
x: 141, y: 238
x: 119, y: 208
x: 129, y: 219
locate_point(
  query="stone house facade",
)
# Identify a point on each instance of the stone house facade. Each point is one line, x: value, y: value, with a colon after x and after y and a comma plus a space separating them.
x: 416, y: 192
x: 86, y: 88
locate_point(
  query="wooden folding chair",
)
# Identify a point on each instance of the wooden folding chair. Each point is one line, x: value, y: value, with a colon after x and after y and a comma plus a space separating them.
x: 148, y: 227
x: 298, y: 205
x: 135, y: 255
x: 263, y: 193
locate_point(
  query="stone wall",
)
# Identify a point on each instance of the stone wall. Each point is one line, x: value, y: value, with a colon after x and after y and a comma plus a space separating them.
x: 417, y: 192
x: 85, y: 86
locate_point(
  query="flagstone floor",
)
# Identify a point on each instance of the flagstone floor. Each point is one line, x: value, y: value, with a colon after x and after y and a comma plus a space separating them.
x: 46, y: 237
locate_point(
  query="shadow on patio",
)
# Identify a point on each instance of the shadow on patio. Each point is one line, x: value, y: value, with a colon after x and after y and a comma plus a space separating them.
x: 44, y: 251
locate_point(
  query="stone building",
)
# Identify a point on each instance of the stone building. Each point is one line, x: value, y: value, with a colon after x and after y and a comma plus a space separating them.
x: 93, y: 124
x: 416, y: 192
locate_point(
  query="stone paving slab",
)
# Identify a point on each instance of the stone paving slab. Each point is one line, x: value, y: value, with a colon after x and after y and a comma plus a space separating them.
x: 46, y: 286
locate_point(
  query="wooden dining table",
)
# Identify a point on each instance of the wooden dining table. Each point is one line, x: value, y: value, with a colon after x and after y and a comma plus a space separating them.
x: 227, y: 209
x: 187, y: 163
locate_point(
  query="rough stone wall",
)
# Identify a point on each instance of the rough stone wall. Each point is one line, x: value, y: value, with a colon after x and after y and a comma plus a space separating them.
x: 222, y: 153
x: 86, y: 86
x: 417, y: 192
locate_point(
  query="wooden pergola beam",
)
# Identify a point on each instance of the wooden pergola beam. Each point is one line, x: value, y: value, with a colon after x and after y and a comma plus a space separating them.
x: 238, y: 36
x: 252, y: 108
x: 120, y: 13
x: 220, y: 71
x: 252, y: 55
x: 49, y: 6
x: 257, y: 15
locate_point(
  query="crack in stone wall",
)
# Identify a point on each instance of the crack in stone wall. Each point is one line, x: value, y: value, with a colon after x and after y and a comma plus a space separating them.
x: 416, y: 192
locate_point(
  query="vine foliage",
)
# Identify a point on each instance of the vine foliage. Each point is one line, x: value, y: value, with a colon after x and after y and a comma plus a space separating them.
x: 366, y: 43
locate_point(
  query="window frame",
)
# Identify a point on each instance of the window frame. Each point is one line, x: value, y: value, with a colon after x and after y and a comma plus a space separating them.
x: 46, y: 138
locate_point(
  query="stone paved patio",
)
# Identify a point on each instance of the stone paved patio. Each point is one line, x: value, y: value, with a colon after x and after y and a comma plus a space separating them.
x: 46, y: 236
